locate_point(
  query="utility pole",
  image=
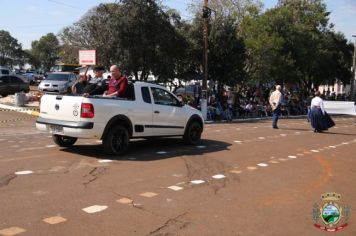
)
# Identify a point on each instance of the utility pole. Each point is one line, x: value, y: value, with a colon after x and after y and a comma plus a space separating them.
x: 352, y: 81
x: 206, y: 17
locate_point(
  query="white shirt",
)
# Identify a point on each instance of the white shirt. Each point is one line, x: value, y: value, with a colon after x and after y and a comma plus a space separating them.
x: 275, y: 99
x: 317, y: 102
x: 96, y: 80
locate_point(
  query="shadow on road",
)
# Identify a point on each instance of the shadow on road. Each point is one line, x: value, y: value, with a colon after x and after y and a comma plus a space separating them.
x: 152, y: 149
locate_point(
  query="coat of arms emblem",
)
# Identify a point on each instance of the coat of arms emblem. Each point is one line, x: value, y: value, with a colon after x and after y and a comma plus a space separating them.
x: 331, y: 213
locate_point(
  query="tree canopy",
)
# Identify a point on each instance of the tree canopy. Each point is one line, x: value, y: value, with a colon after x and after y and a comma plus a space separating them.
x: 11, y: 52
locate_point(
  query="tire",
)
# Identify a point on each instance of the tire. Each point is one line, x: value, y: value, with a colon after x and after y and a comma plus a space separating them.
x: 193, y: 133
x: 117, y: 140
x: 63, y: 141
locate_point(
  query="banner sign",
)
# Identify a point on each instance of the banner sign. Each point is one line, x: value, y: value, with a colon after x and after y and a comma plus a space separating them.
x: 87, y: 57
x: 340, y: 107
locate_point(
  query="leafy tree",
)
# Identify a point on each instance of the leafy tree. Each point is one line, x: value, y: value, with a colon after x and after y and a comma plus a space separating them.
x: 46, y: 50
x: 11, y: 52
x: 137, y: 35
x: 294, y: 43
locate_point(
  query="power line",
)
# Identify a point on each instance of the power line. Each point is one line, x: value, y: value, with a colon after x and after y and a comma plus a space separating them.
x: 64, y: 4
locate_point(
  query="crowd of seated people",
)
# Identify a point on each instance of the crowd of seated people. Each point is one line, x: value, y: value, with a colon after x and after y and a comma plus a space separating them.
x: 252, y: 101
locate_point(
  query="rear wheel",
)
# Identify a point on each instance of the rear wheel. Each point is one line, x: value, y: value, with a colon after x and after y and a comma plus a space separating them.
x: 63, y: 141
x: 117, y: 140
x: 193, y: 133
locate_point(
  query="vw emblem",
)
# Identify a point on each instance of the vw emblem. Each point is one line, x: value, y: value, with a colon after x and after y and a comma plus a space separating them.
x: 75, y: 113
x: 56, y: 107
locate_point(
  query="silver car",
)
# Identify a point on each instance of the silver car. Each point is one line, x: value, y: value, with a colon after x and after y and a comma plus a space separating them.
x: 58, y: 82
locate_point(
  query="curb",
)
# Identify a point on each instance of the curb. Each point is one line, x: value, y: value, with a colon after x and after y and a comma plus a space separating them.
x: 252, y: 119
x: 29, y: 111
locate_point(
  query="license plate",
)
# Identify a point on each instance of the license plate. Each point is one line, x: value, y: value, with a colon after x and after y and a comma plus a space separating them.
x: 55, y: 129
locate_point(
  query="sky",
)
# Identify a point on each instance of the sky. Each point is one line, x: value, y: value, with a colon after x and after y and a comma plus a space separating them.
x: 29, y: 20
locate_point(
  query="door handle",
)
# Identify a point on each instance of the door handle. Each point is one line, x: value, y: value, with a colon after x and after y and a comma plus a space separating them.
x: 156, y: 112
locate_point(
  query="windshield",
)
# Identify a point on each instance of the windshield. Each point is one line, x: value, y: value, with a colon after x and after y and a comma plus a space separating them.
x: 58, y: 77
x: 4, y: 72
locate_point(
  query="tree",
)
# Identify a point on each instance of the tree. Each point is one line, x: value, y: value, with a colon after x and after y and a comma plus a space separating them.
x: 46, y: 50
x: 137, y: 35
x: 11, y: 52
x: 294, y: 43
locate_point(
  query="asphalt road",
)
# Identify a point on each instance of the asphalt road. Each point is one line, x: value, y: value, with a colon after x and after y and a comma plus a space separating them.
x: 249, y: 180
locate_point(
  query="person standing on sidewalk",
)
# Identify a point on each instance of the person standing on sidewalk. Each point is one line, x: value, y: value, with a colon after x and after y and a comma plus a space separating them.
x: 275, y: 101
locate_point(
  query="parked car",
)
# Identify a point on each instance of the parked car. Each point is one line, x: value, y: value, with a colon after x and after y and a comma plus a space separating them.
x: 11, y: 84
x: 58, y: 82
x: 4, y: 71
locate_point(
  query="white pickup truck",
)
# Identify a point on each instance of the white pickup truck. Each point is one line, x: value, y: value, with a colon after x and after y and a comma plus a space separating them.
x: 150, y: 110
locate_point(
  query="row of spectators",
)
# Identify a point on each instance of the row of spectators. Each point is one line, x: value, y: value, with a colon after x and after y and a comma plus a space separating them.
x: 252, y: 101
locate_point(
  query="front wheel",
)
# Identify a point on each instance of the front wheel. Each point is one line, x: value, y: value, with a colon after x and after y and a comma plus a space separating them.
x: 193, y: 133
x: 116, y: 141
x: 63, y: 141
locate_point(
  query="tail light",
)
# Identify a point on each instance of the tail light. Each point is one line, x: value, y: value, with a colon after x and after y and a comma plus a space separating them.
x: 87, y: 110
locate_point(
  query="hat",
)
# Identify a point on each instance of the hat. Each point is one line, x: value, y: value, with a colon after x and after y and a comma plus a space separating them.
x: 97, y: 68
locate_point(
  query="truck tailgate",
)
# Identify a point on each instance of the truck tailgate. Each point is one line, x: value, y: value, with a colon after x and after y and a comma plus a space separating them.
x: 59, y: 107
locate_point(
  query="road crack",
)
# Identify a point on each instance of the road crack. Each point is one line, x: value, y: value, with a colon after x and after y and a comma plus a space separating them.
x: 171, y: 225
x: 94, y: 174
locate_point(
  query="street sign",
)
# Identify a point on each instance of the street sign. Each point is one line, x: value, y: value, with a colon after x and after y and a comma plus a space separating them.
x: 87, y: 57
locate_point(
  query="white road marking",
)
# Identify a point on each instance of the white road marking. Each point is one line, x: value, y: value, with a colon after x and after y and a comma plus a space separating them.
x: 251, y: 168
x: 124, y: 200
x: 292, y: 157
x: 177, y: 175
x: 148, y: 194
x: 282, y: 159
x: 238, y: 141
x: 314, y: 150
x: 273, y: 162
x: 24, y: 172
x: 12, y: 231
x: 104, y: 161
x: 262, y: 164
x: 94, y: 209
x: 218, y: 176
x: 332, y: 147
x: 161, y: 152
x: 261, y: 138
x: 51, y: 146
x: 236, y: 171
x: 54, y: 220
x: 175, y: 188
x: 283, y: 135
x: 345, y: 143
x: 197, y: 181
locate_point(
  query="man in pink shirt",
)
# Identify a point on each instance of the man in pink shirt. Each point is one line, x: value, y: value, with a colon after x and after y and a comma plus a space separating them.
x: 117, y: 84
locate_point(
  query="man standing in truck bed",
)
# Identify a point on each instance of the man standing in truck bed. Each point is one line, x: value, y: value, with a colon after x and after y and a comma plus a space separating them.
x: 96, y: 85
x: 117, y: 84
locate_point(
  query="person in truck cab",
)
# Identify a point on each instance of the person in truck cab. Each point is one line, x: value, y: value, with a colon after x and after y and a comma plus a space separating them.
x: 117, y: 84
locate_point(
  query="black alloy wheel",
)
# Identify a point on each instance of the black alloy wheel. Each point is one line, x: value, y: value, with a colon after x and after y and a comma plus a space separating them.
x: 117, y: 140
